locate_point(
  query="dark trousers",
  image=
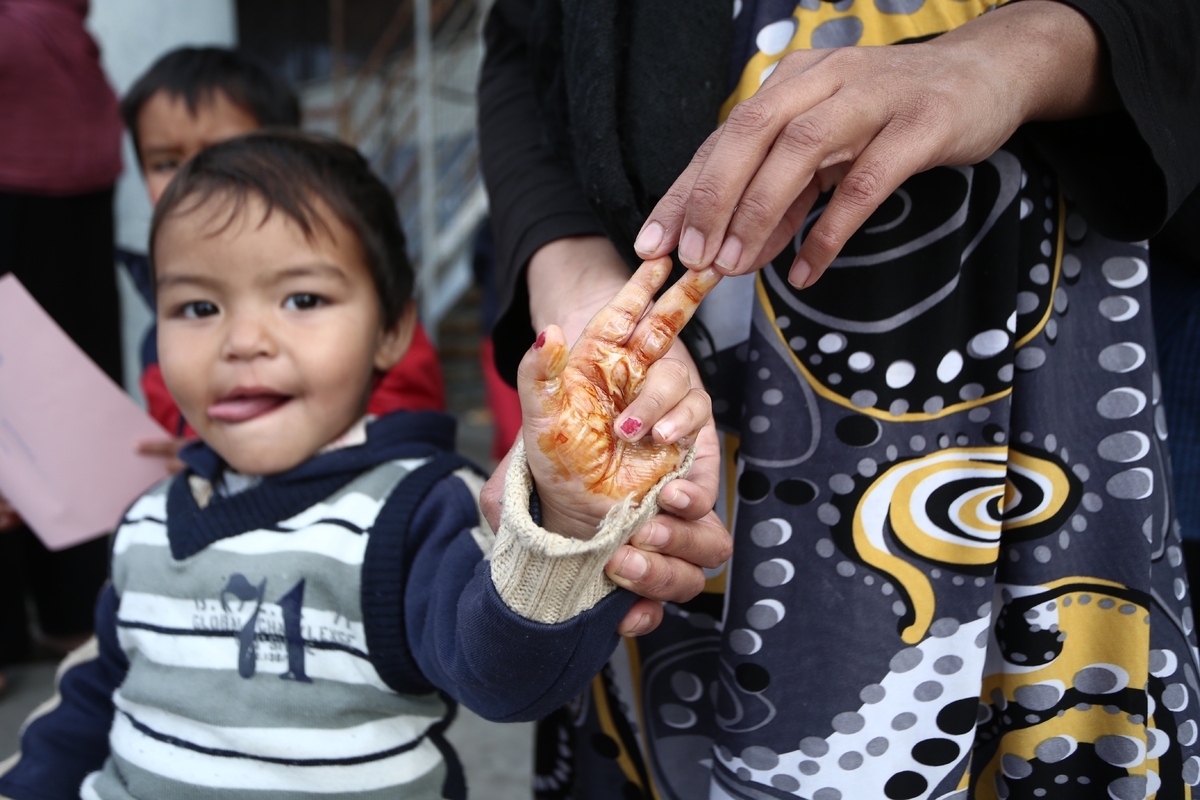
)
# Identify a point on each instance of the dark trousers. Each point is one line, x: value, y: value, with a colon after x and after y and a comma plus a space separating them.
x: 61, y: 249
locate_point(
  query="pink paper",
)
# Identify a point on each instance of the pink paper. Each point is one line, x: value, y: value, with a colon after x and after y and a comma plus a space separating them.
x: 68, y: 434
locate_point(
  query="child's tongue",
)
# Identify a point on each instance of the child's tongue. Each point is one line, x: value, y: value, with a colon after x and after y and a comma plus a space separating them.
x: 240, y: 409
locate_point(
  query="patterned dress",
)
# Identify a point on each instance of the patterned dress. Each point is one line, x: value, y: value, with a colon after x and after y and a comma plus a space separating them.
x: 956, y: 571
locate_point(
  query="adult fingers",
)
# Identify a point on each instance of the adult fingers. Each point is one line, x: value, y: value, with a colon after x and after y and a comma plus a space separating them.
x: 747, y: 136
x: 493, y: 491
x: 660, y: 231
x: 886, y: 163
x: 833, y: 132
x: 657, y: 331
x: 703, y: 542
x: 789, y: 225
x: 655, y: 575
x: 614, y: 322
x: 643, y: 617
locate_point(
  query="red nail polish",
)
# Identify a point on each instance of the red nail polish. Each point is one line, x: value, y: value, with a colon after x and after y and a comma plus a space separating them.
x: 631, y: 426
x: 541, y: 340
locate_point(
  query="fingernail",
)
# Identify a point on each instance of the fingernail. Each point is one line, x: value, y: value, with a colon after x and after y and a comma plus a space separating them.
x: 678, y: 500
x: 634, y: 566
x: 664, y: 431
x: 541, y: 340
x: 730, y: 254
x: 649, y: 239
x: 631, y: 426
x: 656, y: 535
x: 640, y: 628
x: 691, y: 247
x: 798, y: 276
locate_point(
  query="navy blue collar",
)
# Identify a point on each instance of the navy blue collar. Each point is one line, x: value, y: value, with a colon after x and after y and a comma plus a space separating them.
x: 401, y: 434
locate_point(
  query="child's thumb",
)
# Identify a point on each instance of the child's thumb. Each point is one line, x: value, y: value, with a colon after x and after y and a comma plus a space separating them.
x: 539, y: 375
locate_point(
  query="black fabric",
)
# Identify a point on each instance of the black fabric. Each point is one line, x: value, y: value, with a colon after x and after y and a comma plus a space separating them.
x: 534, y: 197
x: 63, y: 586
x: 401, y: 434
x: 1156, y: 67
x: 384, y: 577
x: 61, y: 249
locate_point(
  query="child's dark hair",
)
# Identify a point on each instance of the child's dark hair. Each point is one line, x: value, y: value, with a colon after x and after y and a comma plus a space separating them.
x: 194, y: 73
x: 294, y: 173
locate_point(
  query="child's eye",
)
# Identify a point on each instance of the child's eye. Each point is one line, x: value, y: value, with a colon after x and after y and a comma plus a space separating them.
x: 197, y: 309
x: 166, y: 165
x: 303, y: 301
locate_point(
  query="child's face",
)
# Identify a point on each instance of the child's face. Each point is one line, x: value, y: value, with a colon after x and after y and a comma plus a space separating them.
x: 169, y: 133
x: 268, y: 340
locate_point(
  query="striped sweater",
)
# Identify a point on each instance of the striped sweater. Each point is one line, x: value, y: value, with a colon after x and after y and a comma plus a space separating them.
x: 263, y: 645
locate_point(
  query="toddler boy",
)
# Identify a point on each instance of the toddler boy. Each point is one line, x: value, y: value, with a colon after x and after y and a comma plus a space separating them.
x: 298, y: 611
x: 194, y: 97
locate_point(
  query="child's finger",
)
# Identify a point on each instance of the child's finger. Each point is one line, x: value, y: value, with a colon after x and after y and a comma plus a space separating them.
x: 539, y: 374
x: 666, y: 383
x: 656, y: 332
x: 613, y: 323
x: 684, y: 419
x: 159, y: 447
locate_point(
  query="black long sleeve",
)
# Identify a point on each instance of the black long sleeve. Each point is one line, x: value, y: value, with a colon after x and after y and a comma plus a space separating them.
x: 534, y: 195
x: 1132, y: 170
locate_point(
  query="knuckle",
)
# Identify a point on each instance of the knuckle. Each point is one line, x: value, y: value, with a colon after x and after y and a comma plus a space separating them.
x: 804, y: 135
x: 823, y: 239
x: 749, y: 117
x: 673, y: 370
x: 754, y: 212
x: 706, y: 195
x: 864, y: 184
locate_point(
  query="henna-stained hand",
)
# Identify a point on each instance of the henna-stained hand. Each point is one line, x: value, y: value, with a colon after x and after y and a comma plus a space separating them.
x: 585, y: 452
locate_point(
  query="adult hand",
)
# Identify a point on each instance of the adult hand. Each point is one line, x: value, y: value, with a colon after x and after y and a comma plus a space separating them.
x: 569, y: 281
x: 865, y: 119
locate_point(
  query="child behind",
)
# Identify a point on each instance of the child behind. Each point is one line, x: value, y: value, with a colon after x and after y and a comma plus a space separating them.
x: 195, y: 97
x: 300, y: 609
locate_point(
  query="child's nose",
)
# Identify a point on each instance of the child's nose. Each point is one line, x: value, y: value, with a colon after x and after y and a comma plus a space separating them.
x: 249, y: 336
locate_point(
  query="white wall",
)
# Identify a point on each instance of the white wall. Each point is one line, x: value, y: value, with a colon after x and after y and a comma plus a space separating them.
x: 132, y: 34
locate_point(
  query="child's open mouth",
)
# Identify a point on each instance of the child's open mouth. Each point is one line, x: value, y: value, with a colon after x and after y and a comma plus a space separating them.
x: 246, y: 404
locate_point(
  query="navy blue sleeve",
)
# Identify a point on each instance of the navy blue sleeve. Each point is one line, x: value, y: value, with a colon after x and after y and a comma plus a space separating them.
x: 465, y: 641
x: 60, y: 748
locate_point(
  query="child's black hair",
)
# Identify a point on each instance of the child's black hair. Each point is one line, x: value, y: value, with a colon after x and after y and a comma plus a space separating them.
x: 295, y: 174
x: 194, y: 73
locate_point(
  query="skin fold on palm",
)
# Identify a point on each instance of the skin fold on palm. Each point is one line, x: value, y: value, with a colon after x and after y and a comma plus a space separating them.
x: 573, y: 397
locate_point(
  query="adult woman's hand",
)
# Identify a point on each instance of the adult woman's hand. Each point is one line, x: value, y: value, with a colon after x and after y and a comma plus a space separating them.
x: 865, y: 119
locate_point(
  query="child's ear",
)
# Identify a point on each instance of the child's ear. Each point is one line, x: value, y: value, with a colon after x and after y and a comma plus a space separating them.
x: 394, y: 341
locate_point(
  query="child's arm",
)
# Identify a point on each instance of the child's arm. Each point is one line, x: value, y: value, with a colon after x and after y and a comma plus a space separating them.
x: 66, y: 738
x: 516, y: 637
x: 444, y: 625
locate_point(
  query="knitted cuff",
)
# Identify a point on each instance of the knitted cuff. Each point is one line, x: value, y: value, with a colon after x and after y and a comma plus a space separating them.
x: 550, y: 578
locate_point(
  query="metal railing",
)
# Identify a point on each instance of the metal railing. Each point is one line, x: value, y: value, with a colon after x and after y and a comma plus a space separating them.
x: 410, y: 109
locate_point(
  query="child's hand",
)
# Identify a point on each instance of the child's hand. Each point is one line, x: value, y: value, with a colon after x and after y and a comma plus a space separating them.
x: 9, y: 518
x: 166, y: 448
x: 608, y: 419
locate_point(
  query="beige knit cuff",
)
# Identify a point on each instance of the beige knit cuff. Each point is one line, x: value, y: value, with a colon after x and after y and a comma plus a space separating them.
x: 550, y: 578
